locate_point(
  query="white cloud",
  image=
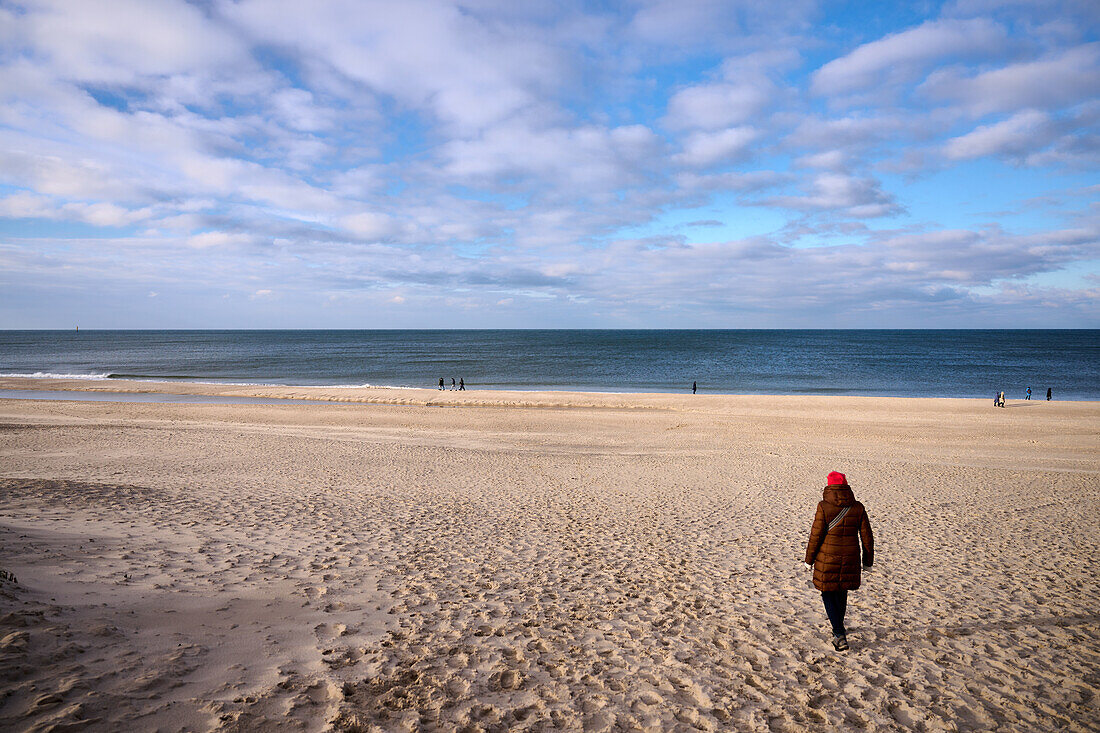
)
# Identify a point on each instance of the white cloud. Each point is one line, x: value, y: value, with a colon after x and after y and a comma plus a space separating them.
x: 27, y: 206
x: 55, y: 176
x: 104, y: 214
x: 560, y: 269
x: 744, y: 88
x: 833, y: 160
x: 431, y: 56
x: 118, y: 41
x: 1021, y: 133
x: 300, y: 110
x: 902, y: 56
x: 1057, y: 80
x: 207, y: 240
x: 852, y: 131
x: 703, y: 149
x: 580, y: 159
x: 740, y: 182
x: 371, y: 225
x: 716, y: 105
x: 851, y: 195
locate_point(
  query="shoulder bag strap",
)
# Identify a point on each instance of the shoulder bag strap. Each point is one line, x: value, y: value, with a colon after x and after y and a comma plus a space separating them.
x: 836, y: 520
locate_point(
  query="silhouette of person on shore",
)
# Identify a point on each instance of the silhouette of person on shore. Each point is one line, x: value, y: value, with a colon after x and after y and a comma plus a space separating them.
x: 461, y: 384
x: 1028, y: 395
x: 694, y: 386
x: 1000, y: 399
x: 1048, y: 394
x: 441, y: 383
x: 452, y: 382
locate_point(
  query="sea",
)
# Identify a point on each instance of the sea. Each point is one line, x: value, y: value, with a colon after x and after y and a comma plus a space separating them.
x: 902, y: 363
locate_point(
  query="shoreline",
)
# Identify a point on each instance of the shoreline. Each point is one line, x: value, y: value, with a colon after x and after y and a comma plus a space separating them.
x: 429, y: 397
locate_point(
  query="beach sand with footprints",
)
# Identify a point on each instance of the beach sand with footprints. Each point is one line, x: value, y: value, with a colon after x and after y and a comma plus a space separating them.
x: 541, y: 561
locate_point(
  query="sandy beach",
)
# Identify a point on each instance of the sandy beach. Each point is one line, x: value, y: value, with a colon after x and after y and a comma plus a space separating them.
x: 425, y: 560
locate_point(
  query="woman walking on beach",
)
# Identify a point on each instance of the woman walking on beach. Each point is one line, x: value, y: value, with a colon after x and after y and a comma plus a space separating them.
x: 833, y: 552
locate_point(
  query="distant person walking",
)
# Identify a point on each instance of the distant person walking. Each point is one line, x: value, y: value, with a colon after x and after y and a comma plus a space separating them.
x: 461, y: 385
x: 441, y: 382
x: 1028, y: 396
x: 1001, y: 398
x: 840, y: 527
x: 694, y: 386
x: 1048, y: 394
x: 452, y: 383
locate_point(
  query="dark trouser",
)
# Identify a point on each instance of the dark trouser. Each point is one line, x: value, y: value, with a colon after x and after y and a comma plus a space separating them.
x: 836, y: 603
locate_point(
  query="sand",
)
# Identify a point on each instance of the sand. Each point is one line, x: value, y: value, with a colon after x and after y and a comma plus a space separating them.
x: 431, y: 560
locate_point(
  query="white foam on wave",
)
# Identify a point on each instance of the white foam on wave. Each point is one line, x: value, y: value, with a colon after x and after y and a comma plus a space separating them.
x: 106, y: 376
x: 265, y: 384
x: 53, y: 375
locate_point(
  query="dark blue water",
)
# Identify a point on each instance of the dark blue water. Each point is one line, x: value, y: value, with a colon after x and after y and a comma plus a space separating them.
x: 900, y: 363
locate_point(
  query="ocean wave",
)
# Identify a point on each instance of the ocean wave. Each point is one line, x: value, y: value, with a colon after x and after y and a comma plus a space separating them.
x: 54, y: 375
x: 124, y: 375
x: 192, y: 380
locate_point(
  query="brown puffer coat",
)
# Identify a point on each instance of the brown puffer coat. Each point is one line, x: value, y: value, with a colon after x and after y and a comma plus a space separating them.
x: 835, y: 554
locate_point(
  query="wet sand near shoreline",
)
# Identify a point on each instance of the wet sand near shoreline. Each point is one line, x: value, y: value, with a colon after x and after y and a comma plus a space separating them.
x: 604, y: 562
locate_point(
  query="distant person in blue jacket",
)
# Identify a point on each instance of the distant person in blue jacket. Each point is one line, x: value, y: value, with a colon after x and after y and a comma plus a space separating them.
x: 1028, y: 395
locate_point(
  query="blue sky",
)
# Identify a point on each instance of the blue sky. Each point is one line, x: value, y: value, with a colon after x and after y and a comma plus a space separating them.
x: 679, y: 163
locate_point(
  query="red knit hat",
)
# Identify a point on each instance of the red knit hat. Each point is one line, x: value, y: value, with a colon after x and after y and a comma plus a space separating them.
x: 837, y: 479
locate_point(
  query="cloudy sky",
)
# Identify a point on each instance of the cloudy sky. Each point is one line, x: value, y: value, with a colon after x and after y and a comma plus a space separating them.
x: 493, y: 163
